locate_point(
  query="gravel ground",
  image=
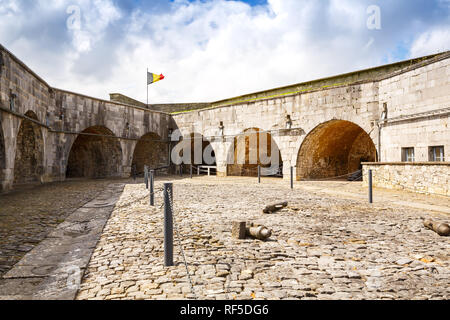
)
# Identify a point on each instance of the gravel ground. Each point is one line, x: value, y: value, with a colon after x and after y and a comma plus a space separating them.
x: 322, y: 247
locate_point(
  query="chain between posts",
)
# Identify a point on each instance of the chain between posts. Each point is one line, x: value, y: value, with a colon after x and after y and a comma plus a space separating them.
x: 180, y: 245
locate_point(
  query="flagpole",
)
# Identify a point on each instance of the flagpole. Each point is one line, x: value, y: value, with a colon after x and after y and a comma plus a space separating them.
x: 146, y: 77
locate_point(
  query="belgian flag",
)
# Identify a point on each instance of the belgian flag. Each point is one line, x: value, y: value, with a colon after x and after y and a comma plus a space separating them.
x: 152, y: 78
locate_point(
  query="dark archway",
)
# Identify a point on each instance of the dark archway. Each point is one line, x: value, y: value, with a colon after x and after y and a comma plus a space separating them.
x: 96, y: 153
x: 202, y: 152
x: 194, y: 149
x: 334, y: 148
x: 151, y: 151
x: 2, y: 156
x: 28, y: 162
x: 246, y: 155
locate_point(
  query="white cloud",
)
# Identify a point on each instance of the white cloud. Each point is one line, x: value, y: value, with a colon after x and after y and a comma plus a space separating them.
x: 209, y: 50
x: 432, y: 41
x: 218, y: 49
x: 91, y: 19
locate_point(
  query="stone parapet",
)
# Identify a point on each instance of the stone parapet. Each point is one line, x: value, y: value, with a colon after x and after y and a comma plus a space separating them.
x: 420, y: 177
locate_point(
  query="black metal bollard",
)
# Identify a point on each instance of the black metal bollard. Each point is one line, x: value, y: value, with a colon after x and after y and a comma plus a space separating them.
x: 168, y: 225
x: 191, y: 171
x: 146, y: 176
x: 181, y: 170
x: 292, y: 177
x: 134, y: 172
x: 370, y: 187
x: 152, y: 187
x: 259, y: 174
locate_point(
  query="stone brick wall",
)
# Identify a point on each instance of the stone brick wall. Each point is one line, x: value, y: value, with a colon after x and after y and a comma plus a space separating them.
x: 418, y: 103
x: 59, y: 118
x: 357, y: 103
x: 421, y: 177
x: 360, y: 76
x: 408, y: 88
x: 357, y: 97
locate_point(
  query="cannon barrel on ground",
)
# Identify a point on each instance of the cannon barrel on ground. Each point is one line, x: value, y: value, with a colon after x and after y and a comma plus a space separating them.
x: 275, y: 207
x: 259, y: 232
x: 441, y: 229
x: 240, y: 230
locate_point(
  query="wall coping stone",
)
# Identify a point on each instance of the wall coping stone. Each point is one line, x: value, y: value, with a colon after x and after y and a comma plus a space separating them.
x: 406, y: 163
x: 109, y: 101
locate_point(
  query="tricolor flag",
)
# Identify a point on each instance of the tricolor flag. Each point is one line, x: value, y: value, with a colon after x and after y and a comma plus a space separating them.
x: 152, y: 78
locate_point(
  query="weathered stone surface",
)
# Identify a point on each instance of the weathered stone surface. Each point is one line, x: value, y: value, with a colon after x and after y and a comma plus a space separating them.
x: 53, y: 269
x: 333, y: 265
x: 420, y: 177
x: 334, y: 124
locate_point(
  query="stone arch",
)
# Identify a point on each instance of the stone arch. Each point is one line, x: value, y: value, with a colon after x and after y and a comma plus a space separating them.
x: 29, y: 157
x: 244, y: 154
x: 207, y: 152
x: 150, y: 151
x: 95, y: 153
x: 2, y: 156
x: 334, y: 148
x: 194, y: 149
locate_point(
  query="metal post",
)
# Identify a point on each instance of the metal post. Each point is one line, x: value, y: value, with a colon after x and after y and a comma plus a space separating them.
x: 191, y: 171
x: 292, y: 177
x: 370, y: 187
x: 198, y: 170
x: 181, y: 170
x: 152, y: 187
x: 146, y: 176
x: 168, y: 225
x: 259, y: 174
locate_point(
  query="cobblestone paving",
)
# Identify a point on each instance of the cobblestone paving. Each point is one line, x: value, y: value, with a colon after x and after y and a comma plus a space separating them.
x: 28, y: 216
x: 322, y: 247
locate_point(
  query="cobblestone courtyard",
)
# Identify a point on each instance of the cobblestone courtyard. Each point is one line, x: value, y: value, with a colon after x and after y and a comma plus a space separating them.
x: 325, y: 245
x: 29, y: 215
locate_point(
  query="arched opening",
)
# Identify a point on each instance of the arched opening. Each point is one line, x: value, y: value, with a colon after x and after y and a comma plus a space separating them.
x: 251, y: 149
x: 333, y: 149
x: 150, y: 151
x: 28, y: 162
x: 2, y: 157
x: 195, y: 150
x: 202, y: 154
x: 96, y: 153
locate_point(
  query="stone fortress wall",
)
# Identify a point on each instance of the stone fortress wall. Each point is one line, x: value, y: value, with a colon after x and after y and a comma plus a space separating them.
x: 40, y: 125
x: 323, y: 128
x: 421, y: 177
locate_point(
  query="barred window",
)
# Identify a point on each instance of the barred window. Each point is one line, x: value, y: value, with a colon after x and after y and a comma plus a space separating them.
x: 436, y: 154
x: 407, y: 154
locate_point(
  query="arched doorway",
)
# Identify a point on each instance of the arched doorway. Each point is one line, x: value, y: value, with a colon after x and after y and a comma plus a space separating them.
x: 96, y: 153
x: 251, y: 149
x: 151, y: 151
x: 202, y: 152
x: 28, y: 161
x: 195, y: 150
x: 333, y: 149
x: 2, y: 157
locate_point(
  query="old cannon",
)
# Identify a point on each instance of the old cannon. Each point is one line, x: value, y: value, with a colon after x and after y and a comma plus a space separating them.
x: 275, y: 207
x: 441, y: 229
x: 240, y: 230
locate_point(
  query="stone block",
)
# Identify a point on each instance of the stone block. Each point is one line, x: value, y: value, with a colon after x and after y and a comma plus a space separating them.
x: 238, y: 230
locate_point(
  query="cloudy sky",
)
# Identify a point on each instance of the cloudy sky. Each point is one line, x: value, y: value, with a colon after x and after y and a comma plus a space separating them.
x: 214, y: 49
